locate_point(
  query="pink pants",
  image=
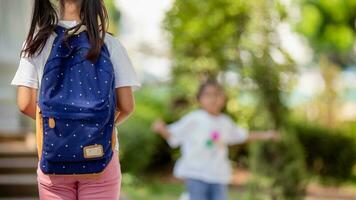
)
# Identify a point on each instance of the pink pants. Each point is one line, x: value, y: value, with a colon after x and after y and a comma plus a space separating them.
x: 107, y: 186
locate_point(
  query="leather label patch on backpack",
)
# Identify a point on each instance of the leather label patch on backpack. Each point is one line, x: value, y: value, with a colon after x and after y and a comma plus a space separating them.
x: 93, y: 151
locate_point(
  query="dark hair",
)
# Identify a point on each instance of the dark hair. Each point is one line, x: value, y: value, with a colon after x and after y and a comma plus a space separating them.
x: 93, y: 15
x: 206, y: 84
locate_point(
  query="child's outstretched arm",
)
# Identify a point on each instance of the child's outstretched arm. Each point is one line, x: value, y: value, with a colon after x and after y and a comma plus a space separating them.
x: 160, y: 127
x: 262, y: 135
x: 177, y: 132
x: 240, y: 135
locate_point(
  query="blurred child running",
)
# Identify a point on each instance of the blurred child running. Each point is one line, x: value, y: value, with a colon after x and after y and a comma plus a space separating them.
x: 203, y: 136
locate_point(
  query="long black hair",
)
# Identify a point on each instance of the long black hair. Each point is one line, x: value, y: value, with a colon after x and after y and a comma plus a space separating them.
x: 93, y: 15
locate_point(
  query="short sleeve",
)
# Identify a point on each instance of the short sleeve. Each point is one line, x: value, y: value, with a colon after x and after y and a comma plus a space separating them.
x: 237, y: 135
x: 125, y: 74
x: 26, y: 74
x: 179, y: 129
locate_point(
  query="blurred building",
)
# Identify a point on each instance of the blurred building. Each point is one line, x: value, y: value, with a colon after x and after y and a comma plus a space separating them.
x: 142, y: 33
x: 14, y: 23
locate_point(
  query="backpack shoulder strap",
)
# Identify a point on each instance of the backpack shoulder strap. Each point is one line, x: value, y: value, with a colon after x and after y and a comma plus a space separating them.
x: 59, y: 30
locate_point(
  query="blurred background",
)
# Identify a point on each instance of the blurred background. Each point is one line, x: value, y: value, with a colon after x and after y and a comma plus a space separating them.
x: 285, y: 64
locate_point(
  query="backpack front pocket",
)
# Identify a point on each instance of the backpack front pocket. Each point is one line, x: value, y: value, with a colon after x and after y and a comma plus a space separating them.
x: 67, y: 139
x: 72, y: 146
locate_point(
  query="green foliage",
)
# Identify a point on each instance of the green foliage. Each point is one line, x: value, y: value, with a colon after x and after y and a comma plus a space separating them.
x: 114, y: 15
x: 342, y: 40
x: 329, y: 153
x: 137, y: 141
x: 311, y: 23
x: 212, y: 37
x: 282, y: 163
x: 205, y: 36
x: 329, y: 26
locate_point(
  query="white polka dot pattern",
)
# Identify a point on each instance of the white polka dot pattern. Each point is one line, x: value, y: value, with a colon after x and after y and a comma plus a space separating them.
x: 79, y: 95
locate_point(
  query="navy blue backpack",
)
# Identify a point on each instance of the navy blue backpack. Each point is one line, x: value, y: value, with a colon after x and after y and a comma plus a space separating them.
x: 76, y: 108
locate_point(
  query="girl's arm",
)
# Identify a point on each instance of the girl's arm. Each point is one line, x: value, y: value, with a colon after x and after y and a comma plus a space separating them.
x: 125, y: 103
x: 262, y: 135
x: 177, y: 132
x: 26, y: 100
x: 160, y: 127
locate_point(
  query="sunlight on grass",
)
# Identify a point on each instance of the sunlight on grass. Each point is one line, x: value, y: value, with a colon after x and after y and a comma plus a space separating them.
x: 150, y: 189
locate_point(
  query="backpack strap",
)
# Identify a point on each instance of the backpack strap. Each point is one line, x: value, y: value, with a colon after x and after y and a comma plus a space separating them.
x: 81, y: 29
x: 61, y: 30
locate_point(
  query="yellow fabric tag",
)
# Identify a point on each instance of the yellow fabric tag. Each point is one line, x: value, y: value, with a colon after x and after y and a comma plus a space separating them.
x: 51, y: 122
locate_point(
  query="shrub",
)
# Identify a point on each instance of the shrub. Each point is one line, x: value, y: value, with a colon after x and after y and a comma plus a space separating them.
x: 329, y: 153
x: 282, y: 165
x: 137, y: 141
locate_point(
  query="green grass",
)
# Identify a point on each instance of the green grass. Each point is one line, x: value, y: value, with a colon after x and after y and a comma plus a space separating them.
x: 155, y: 189
x: 160, y: 187
x: 166, y: 191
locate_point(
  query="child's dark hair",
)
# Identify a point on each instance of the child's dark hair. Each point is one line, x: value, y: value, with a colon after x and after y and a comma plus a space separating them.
x: 206, y: 84
x: 93, y: 15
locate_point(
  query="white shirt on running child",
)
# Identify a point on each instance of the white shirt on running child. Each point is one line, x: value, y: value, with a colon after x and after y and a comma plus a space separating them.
x: 203, y: 139
x: 30, y: 70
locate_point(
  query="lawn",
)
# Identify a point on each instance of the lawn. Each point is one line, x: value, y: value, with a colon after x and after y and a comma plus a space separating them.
x: 165, y: 187
x: 157, y: 189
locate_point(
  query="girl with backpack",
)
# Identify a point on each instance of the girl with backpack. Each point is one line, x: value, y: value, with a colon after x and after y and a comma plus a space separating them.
x: 76, y: 81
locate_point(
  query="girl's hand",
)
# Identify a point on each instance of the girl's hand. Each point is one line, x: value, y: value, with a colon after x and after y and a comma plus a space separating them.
x: 264, y: 135
x: 159, y: 126
x: 273, y: 135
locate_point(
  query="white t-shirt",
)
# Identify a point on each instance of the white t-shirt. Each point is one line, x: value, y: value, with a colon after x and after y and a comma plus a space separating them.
x: 203, y: 139
x: 30, y: 70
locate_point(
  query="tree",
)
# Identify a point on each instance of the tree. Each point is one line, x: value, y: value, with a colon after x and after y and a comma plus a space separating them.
x: 114, y: 15
x: 211, y: 38
x: 329, y: 26
x: 204, y: 37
